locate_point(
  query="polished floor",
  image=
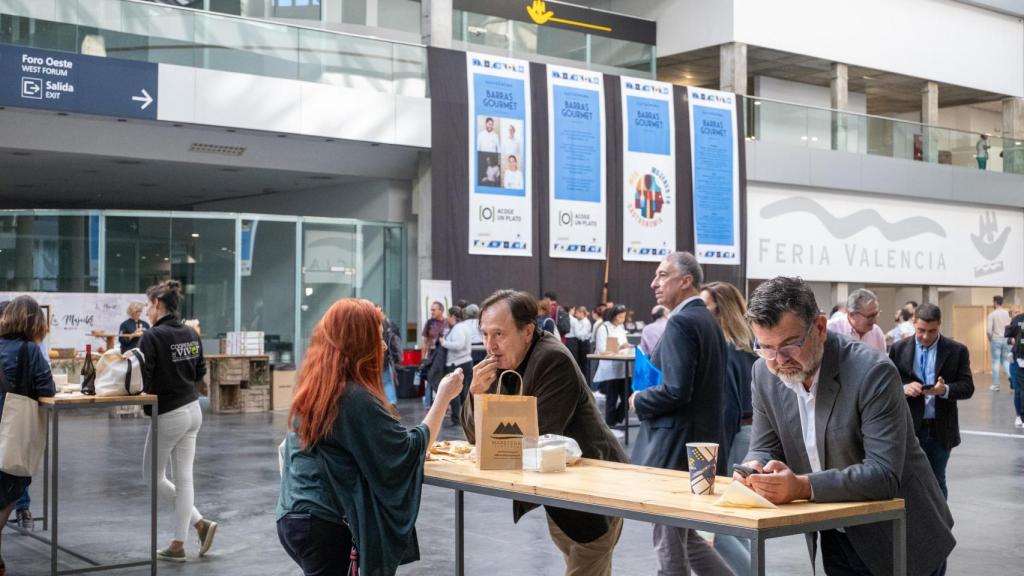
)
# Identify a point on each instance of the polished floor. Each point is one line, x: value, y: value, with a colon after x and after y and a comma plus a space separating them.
x: 104, y: 505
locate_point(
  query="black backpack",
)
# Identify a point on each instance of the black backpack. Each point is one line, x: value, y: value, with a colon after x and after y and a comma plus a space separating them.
x: 562, y: 321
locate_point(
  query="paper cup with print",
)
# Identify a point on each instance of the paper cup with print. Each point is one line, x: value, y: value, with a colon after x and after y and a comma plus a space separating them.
x: 702, y: 458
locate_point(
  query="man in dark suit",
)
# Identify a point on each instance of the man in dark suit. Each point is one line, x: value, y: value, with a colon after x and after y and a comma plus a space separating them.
x: 687, y: 405
x: 936, y: 372
x: 831, y: 425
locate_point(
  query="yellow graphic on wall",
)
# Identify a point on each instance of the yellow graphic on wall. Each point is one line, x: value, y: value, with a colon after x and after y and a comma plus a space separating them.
x: 540, y: 14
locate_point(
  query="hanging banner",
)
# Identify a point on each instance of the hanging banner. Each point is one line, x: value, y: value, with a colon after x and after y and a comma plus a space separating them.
x: 576, y: 187
x: 716, y: 176
x: 500, y: 209
x: 649, y: 170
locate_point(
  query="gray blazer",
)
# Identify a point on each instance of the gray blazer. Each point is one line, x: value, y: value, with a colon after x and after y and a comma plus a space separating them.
x: 687, y: 405
x: 866, y: 446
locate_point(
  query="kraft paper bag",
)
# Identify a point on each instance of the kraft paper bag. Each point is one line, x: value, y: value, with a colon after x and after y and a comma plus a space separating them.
x: 500, y: 423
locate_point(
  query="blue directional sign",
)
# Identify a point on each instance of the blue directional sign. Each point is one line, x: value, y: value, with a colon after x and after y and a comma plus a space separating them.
x: 32, y: 78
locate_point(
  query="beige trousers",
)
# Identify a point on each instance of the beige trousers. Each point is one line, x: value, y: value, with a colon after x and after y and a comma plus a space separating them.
x: 590, y: 559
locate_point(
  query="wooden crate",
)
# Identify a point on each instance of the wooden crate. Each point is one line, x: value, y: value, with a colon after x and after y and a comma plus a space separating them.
x: 239, y: 383
x: 255, y: 399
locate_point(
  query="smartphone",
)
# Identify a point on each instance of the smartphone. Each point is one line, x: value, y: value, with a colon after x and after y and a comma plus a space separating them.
x: 928, y: 386
x: 744, y: 471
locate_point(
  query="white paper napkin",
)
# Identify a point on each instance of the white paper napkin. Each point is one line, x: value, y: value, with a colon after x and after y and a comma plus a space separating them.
x: 739, y: 496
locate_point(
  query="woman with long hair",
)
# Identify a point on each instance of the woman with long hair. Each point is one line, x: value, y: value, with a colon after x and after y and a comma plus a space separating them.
x: 22, y: 329
x: 352, y: 474
x: 174, y: 363
x: 729, y: 307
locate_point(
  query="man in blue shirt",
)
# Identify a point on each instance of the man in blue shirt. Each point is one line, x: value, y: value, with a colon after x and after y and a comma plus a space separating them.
x: 936, y: 372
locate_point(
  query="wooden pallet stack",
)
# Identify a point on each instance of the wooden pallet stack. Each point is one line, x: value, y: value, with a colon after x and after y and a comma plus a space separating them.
x: 239, y: 383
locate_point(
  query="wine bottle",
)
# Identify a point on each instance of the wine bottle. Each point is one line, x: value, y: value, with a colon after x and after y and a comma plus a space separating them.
x: 88, y: 373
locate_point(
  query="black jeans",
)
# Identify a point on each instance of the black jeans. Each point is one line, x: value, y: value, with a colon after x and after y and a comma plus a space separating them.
x: 616, y: 402
x: 840, y: 559
x: 319, y: 547
x: 467, y: 380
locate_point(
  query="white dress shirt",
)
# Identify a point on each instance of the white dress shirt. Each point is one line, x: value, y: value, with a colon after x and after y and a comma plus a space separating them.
x: 459, y: 342
x: 512, y: 179
x: 806, y: 400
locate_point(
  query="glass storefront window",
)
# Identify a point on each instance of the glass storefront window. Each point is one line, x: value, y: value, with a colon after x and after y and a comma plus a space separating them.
x: 267, y: 272
x: 49, y: 253
x: 548, y: 41
x: 622, y: 54
x: 237, y: 273
x: 329, y: 270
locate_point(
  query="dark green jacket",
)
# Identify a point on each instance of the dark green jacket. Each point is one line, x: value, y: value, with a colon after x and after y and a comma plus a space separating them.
x: 374, y: 469
x: 565, y: 406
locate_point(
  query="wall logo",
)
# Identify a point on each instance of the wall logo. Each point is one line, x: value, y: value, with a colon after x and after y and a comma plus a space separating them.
x: 645, y: 87
x: 574, y: 77
x: 989, y: 242
x: 31, y: 88
x: 648, y: 200
x: 539, y: 13
x: 860, y: 220
x: 498, y: 65
x: 487, y: 213
x: 722, y: 98
x: 565, y: 218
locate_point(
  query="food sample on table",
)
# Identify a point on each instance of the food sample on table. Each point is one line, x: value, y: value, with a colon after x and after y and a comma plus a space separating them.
x: 457, y: 450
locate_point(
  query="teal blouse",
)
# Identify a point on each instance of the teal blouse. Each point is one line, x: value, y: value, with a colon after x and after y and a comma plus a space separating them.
x: 374, y: 468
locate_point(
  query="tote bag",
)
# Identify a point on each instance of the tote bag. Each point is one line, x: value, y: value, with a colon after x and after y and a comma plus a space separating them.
x: 119, y: 374
x: 22, y: 425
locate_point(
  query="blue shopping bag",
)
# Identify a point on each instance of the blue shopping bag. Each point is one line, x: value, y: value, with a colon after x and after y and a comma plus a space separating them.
x: 645, y: 374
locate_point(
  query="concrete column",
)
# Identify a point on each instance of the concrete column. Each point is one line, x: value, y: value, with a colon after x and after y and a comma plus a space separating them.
x: 733, y: 67
x: 930, y: 117
x: 840, y: 101
x: 436, y: 23
x: 422, y: 200
x: 23, y: 248
x: 1013, y: 297
x: 1013, y: 134
x: 840, y: 292
x: 931, y: 294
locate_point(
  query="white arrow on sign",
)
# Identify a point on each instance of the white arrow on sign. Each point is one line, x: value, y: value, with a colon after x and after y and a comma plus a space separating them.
x: 146, y: 99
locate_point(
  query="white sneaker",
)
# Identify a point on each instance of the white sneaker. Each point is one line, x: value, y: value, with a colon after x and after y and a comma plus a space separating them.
x: 619, y: 434
x: 1018, y: 423
x: 994, y: 387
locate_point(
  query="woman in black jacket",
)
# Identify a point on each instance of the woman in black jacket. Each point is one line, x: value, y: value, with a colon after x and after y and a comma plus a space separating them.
x: 173, y: 364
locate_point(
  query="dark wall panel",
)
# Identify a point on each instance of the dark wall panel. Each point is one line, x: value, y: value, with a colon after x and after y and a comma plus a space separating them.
x: 575, y: 281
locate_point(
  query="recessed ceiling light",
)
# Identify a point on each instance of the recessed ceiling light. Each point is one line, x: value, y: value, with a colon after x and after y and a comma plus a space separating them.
x: 121, y: 120
x: 195, y: 234
x: 757, y: 102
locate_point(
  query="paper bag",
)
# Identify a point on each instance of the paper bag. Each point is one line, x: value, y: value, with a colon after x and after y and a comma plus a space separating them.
x: 500, y: 423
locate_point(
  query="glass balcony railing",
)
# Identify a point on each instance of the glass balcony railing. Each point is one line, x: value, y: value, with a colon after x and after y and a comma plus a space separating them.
x: 824, y: 129
x: 149, y: 32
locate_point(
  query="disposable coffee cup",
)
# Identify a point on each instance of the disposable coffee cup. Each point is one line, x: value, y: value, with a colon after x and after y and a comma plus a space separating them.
x: 702, y: 458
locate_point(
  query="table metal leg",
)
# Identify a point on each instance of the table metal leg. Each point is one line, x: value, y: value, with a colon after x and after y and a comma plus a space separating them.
x: 460, y: 544
x: 54, y: 550
x: 46, y: 477
x: 154, y: 431
x: 899, y: 545
x: 625, y: 398
x: 757, y: 556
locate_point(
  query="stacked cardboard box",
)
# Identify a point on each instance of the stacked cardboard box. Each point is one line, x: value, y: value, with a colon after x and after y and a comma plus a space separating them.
x: 244, y: 343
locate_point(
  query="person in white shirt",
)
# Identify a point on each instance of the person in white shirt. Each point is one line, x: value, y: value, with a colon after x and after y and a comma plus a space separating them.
x: 487, y: 139
x: 995, y: 331
x: 904, y: 328
x: 611, y: 375
x: 512, y: 178
x: 510, y: 144
x: 459, y: 344
x: 578, y: 340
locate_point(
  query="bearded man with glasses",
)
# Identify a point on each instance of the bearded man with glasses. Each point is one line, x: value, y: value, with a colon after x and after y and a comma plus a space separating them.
x: 855, y: 440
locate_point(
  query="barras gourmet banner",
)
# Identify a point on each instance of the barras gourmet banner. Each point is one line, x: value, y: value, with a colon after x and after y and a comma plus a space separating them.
x: 715, y: 160
x: 577, y: 188
x: 500, y: 195
x: 648, y: 170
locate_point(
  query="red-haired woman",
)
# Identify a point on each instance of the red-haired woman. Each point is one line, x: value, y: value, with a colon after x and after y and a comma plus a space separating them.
x: 352, y: 472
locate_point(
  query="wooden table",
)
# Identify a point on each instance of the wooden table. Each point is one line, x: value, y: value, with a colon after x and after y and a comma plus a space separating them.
x: 659, y: 496
x: 110, y: 338
x: 55, y: 406
x: 628, y: 358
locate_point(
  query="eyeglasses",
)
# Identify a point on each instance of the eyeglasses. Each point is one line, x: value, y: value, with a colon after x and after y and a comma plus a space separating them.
x: 872, y: 317
x: 789, y: 350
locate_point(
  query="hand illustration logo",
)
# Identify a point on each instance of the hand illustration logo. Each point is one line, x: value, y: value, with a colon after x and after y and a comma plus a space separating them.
x: 539, y: 12
x: 986, y: 241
